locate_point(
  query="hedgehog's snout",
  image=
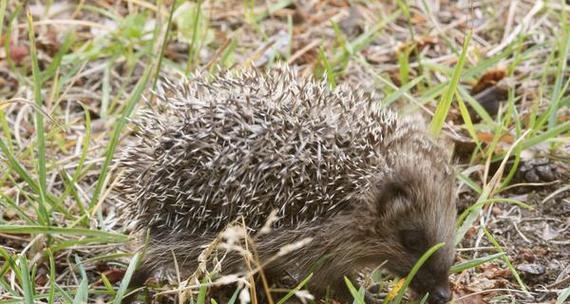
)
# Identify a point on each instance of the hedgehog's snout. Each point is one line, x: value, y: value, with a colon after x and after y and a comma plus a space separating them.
x: 440, y: 295
x: 436, y: 285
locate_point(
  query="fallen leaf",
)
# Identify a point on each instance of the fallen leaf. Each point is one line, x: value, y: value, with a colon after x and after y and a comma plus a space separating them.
x: 527, y: 255
x: 418, y: 18
x: 487, y: 138
x: 489, y: 79
x: 114, y: 275
x: 424, y: 41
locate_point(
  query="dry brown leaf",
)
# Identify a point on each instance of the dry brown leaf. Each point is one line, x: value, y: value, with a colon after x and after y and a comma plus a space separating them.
x: 487, y: 137
x: 418, y: 18
x: 114, y: 275
x: 489, y: 79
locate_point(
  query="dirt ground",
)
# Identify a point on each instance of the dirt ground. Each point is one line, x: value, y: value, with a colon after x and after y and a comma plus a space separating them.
x: 537, y: 240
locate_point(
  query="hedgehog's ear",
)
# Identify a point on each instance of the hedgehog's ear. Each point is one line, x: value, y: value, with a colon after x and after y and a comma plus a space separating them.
x: 393, y: 193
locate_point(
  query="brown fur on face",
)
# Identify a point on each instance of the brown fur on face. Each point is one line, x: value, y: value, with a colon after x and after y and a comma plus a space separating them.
x: 417, y: 211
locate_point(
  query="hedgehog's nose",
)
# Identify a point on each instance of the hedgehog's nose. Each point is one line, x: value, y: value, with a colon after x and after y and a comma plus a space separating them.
x: 441, y: 295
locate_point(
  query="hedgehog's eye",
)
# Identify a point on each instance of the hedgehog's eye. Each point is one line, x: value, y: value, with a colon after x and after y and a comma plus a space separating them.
x: 413, y: 240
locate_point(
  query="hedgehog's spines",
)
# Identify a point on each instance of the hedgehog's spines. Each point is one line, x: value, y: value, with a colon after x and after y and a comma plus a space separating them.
x: 247, y: 142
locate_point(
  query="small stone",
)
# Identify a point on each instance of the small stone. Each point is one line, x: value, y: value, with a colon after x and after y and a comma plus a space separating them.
x: 534, y: 269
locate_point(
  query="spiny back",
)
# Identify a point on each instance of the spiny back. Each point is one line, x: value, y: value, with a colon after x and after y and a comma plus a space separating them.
x: 246, y: 143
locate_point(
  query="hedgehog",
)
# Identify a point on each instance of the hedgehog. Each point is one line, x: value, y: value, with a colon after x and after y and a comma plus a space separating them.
x: 365, y: 185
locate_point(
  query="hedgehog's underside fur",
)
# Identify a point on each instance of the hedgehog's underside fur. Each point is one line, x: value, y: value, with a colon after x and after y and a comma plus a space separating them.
x: 246, y: 143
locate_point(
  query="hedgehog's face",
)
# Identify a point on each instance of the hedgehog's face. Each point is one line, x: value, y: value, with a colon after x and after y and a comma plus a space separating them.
x: 417, y: 213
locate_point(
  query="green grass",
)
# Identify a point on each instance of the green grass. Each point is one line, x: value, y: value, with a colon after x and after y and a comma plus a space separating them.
x: 415, y: 269
x: 43, y: 213
x: 445, y: 103
x: 56, y: 157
